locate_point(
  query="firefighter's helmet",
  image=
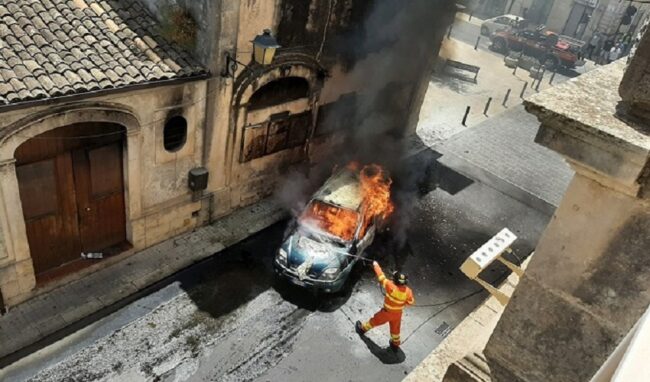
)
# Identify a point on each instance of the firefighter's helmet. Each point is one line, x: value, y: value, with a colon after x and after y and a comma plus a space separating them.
x: 400, y: 278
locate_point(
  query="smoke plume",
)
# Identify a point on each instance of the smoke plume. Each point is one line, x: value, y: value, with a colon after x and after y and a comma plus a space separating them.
x: 390, y: 53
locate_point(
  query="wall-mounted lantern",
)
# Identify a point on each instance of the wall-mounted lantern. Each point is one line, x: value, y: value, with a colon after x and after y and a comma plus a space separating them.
x: 264, y: 48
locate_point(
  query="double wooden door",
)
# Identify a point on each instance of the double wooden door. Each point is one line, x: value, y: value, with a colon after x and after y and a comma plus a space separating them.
x: 72, y: 195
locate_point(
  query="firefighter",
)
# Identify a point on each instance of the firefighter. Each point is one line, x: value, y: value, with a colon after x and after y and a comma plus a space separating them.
x: 397, y: 296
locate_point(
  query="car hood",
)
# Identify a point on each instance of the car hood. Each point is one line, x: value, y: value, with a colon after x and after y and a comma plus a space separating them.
x: 322, y: 255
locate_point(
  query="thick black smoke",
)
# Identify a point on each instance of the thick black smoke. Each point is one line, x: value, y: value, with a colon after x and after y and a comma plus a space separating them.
x: 391, y: 53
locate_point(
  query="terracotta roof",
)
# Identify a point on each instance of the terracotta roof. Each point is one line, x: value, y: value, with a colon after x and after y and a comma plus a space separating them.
x: 52, y: 48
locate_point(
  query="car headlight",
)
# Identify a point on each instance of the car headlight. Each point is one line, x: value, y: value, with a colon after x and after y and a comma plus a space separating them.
x: 330, y: 273
x: 282, y: 257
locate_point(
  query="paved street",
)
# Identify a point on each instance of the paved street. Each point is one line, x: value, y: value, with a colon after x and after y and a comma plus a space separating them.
x: 451, y: 91
x: 468, y: 33
x: 227, y: 319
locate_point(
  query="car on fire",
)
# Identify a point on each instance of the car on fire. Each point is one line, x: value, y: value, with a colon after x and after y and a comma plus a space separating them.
x: 551, y: 49
x: 332, y: 232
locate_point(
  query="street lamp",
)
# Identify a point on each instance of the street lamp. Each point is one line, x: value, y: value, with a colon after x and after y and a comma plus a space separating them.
x: 264, y: 47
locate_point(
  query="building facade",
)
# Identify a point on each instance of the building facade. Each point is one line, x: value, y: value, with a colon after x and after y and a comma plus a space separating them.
x: 107, y: 106
x: 574, y: 18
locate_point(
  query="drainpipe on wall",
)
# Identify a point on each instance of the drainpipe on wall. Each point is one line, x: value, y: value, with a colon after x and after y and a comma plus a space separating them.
x: 3, y: 309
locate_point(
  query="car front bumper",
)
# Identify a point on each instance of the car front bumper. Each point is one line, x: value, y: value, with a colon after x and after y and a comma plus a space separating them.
x: 329, y: 286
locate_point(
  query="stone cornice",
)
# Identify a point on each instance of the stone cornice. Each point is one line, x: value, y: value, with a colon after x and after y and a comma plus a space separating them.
x: 579, y: 120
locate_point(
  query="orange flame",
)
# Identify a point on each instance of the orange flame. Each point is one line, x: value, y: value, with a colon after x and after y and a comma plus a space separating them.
x: 337, y: 221
x: 375, y: 189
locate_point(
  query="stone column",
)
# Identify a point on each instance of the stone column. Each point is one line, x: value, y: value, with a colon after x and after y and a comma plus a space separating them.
x: 17, y: 277
x: 589, y: 281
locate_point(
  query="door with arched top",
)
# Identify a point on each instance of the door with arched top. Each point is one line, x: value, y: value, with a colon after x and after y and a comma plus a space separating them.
x: 72, y: 193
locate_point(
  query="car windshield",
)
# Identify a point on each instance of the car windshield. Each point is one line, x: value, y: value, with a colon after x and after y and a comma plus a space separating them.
x: 338, y: 222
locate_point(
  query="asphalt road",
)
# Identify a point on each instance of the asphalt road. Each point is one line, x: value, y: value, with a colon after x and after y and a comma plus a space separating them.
x: 228, y: 319
x: 469, y: 33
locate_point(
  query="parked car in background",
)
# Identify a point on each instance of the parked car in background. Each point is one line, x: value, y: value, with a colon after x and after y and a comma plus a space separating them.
x: 498, y: 23
x: 331, y: 234
x: 548, y: 47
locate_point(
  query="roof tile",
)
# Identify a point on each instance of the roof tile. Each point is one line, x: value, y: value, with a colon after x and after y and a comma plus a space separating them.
x: 50, y: 48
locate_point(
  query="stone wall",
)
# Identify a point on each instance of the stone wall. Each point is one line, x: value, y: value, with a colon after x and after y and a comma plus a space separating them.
x: 158, y: 202
x: 589, y: 281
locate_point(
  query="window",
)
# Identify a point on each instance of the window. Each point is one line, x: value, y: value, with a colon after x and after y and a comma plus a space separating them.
x: 175, y: 133
x: 337, y: 115
x: 282, y: 131
x: 278, y: 92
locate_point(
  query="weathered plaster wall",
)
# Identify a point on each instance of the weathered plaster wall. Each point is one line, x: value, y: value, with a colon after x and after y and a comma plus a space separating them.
x: 158, y: 202
x: 557, y: 18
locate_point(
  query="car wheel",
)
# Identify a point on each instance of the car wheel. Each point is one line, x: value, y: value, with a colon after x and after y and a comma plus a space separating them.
x: 500, y: 45
x: 550, y: 63
x: 485, y: 31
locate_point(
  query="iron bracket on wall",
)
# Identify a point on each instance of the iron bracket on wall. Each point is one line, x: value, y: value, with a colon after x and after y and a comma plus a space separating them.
x: 232, y: 64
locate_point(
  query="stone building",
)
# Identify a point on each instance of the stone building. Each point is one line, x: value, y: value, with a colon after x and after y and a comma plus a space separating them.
x: 579, y: 312
x: 106, y: 107
x: 575, y: 18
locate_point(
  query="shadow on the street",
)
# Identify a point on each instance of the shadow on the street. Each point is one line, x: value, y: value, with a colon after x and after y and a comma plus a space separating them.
x: 452, y: 83
x: 314, y: 300
x: 386, y: 355
x: 235, y: 276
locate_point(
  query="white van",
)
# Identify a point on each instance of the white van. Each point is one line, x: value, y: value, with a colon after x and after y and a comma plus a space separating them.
x: 498, y: 23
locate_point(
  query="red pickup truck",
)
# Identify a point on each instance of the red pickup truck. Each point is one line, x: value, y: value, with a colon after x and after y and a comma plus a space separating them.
x: 549, y: 48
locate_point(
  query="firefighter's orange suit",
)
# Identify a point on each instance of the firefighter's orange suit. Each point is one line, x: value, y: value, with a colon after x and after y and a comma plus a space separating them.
x: 397, y: 296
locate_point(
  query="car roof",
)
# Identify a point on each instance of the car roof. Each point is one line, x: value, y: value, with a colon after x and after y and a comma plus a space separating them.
x: 342, y: 189
x: 512, y: 17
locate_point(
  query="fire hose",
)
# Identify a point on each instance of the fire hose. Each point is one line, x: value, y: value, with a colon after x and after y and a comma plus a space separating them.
x: 454, y: 301
x: 445, y: 304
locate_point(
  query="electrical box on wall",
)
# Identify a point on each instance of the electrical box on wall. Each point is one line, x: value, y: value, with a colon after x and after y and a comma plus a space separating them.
x: 198, y: 179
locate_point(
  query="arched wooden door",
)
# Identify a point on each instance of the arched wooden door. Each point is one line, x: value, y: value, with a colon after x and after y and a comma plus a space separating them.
x: 72, y: 192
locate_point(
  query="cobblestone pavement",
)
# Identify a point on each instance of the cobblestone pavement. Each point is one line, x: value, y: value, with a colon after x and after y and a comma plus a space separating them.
x: 501, y: 152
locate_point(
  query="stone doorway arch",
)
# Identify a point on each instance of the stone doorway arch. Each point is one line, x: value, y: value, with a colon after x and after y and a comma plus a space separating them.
x: 16, y: 248
x: 274, y: 113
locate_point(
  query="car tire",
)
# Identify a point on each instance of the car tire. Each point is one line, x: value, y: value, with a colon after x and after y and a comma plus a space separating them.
x: 485, y: 31
x: 500, y: 45
x: 550, y: 63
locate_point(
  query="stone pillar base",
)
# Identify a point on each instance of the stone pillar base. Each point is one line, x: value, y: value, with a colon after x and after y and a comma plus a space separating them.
x: 472, y: 368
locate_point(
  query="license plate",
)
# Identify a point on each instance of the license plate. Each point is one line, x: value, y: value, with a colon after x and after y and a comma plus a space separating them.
x: 298, y: 282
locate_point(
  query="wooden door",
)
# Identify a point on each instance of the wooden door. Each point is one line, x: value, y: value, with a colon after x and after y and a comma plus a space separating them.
x: 72, y: 192
x: 99, y: 190
x: 50, y: 211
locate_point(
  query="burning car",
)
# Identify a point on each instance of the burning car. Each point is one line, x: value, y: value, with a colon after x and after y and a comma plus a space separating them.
x: 331, y: 234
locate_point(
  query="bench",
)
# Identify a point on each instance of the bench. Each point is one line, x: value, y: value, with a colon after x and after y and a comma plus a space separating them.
x: 466, y: 67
